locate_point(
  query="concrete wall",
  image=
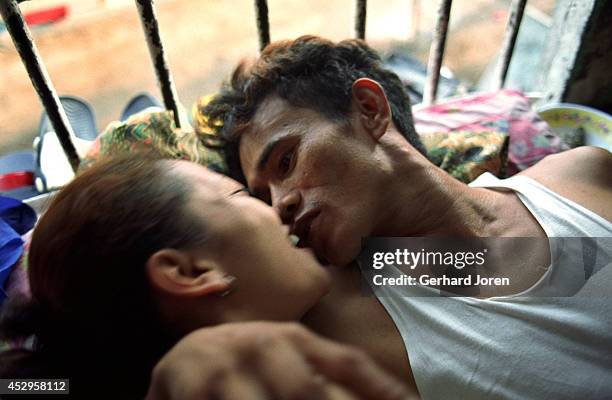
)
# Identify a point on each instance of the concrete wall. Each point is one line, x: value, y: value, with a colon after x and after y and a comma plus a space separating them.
x: 591, y: 79
x: 578, y: 59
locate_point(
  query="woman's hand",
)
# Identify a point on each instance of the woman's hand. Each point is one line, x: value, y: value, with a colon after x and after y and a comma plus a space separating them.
x: 267, y: 360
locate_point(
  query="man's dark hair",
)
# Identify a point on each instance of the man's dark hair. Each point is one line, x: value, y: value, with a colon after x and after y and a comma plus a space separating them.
x: 308, y: 72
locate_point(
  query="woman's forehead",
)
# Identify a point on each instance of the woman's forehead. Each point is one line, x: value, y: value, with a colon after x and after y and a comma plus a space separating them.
x: 203, y: 178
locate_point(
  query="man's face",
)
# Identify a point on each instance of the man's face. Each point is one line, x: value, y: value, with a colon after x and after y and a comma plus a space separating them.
x: 321, y: 176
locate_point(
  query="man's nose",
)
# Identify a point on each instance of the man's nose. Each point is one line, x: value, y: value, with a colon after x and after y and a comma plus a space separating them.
x: 288, y: 205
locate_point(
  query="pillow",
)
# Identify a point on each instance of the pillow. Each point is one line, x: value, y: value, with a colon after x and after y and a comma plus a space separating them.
x: 506, y: 111
x: 466, y: 155
x: 155, y: 131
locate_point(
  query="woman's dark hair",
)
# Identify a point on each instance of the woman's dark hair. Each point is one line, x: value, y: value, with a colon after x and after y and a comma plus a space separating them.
x: 308, y: 72
x: 91, y: 313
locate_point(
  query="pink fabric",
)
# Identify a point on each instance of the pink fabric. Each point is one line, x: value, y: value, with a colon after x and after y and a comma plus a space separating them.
x: 506, y: 111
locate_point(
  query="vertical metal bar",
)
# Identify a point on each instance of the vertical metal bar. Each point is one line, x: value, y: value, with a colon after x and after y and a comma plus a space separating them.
x: 263, y: 24
x: 148, y: 18
x: 512, y: 27
x: 39, y: 76
x: 436, y: 53
x: 360, y: 19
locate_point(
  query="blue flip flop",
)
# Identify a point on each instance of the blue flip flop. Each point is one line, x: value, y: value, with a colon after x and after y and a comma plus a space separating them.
x: 139, y: 103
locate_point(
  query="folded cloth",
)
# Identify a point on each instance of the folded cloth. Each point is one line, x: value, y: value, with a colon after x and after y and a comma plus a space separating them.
x: 16, y: 218
x: 154, y: 131
x: 506, y: 111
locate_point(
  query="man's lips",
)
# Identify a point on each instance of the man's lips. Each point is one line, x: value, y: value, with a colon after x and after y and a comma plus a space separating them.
x: 302, y: 227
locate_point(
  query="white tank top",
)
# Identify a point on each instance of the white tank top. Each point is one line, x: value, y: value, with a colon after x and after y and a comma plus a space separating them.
x: 521, y: 346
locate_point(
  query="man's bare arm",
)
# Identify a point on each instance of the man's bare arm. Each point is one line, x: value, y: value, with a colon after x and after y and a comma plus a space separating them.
x: 583, y: 175
x: 267, y: 360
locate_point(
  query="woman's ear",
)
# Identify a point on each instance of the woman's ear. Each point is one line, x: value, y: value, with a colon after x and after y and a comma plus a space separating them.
x: 179, y: 273
x: 371, y: 104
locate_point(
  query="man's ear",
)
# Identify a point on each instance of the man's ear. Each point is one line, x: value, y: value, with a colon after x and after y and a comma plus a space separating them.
x: 371, y: 104
x: 181, y: 274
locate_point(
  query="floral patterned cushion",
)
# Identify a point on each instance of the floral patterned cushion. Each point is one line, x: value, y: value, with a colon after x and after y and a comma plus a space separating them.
x: 506, y: 111
x: 154, y: 131
x: 465, y: 154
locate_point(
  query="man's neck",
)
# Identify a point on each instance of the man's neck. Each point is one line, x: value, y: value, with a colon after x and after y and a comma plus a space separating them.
x: 424, y: 200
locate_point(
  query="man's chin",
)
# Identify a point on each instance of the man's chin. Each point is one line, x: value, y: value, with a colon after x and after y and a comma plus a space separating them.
x: 345, y: 256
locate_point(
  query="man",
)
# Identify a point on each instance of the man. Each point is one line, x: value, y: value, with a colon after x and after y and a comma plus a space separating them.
x: 323, y: 133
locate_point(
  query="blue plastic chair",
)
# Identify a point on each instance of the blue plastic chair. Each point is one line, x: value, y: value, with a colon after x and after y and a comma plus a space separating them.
x: 82, y: 120
x: 139, y: 103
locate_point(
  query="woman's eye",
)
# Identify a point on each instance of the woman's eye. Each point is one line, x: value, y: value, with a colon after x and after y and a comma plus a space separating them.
x: 244, y: 191
x: 284, y: 164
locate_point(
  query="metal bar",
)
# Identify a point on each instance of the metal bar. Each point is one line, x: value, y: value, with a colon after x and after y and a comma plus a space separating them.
x: 360, y: 19
x: 512, y: 27
x: 148, y: 18
x: 263, y: 23
x: 39, y: 76
x: 436, y: 53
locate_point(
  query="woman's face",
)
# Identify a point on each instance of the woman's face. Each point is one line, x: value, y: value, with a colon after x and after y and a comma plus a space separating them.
x: 274, y: 279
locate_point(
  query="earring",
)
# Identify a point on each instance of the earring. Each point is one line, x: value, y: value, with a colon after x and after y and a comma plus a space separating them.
x: 230, y: 282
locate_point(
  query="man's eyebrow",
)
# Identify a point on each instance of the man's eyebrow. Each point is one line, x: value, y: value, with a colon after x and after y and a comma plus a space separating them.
x: 269, y: 148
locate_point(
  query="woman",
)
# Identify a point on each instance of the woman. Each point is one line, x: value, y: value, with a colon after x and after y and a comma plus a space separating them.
x: 135, y: 253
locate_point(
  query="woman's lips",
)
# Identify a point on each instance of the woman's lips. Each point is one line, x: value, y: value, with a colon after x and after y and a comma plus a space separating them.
x: 314, y: 233
x: 317, y: 239
x: 302, y: 227
x: 313, y: 242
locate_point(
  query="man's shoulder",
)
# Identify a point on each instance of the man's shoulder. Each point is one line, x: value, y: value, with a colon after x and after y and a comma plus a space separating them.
x: 582, y: 164
x: 583, y: 175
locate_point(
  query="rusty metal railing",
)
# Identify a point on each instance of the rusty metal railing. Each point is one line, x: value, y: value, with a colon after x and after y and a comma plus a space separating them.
x: 150, y: 26
x: 18, y: 29
x: 28, y: 52
x: 360, y: 19
x: 512, y: 27
x: 20, y: 34
x: 263, y: 23
x: 436, y: 52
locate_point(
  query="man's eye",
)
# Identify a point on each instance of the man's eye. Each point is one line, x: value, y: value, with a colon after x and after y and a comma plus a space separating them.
x: 261, y: 195
x: 284, y: 165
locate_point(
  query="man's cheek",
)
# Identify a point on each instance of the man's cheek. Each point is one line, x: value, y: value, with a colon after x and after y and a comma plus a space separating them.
x: 328, y: 164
